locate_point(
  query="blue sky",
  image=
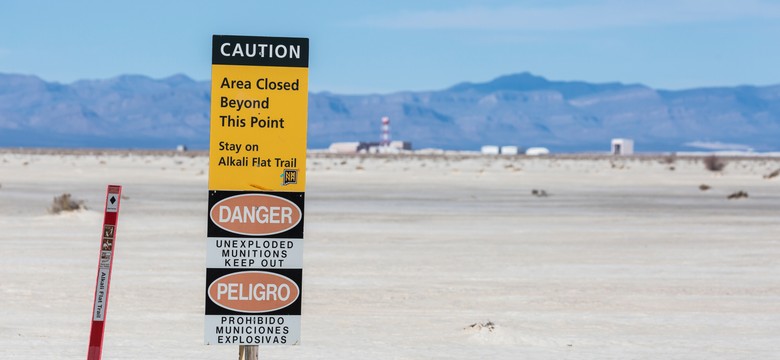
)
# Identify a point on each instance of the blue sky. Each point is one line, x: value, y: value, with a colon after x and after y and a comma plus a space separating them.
x: 381, y: 47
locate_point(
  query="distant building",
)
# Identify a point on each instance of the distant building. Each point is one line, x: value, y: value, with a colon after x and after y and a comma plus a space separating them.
x: 622, y: 146
x: 383, y: 146
x: 344, y: 147
x: 387, y: 147
x: 369, y: 147
x: 509, y: 150
x: 490, y: 150
x: 536, y: 151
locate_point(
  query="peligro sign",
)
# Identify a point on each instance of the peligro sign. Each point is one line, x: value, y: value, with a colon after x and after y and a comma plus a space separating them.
x: 253, y: 291
x: 255, y: 214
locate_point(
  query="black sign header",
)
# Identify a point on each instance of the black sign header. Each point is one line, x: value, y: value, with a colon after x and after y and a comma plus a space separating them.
x: 260, y: 51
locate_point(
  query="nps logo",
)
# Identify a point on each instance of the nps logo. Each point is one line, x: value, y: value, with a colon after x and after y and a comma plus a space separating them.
x: 255, y: 214
x: 289, y: 176
x: 253, y: 291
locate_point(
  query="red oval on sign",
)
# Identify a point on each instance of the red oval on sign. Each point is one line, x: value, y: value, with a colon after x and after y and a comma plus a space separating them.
x: 255, y: 214
x: 253, y: 291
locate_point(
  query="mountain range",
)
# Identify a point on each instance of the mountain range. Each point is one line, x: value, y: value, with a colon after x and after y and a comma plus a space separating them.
x: 524, y: 110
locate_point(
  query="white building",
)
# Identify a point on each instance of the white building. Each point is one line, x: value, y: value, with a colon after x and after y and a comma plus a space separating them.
x: 344, y: 147
x: 536, y: 151
x: 622, y: 146
x: 509, y: 150
x: 490, y: 150
x: 355, y: 147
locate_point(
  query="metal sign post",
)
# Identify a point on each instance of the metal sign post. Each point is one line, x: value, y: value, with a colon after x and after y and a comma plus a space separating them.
x: 105, y: 260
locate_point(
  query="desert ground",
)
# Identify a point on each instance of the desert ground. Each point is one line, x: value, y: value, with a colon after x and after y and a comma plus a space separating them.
x: 445, y: 256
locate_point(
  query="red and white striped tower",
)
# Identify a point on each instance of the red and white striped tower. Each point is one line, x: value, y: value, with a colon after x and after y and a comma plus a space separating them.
x: 385, y: 131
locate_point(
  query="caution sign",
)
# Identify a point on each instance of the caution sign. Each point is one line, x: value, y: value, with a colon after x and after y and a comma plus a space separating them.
x: 253, y: 330
x: 240, y: 292
x: 253, y: 307
x: 254, y: 253
x: 257, y: 181
x: 255, y: 214
x: 259, y: 102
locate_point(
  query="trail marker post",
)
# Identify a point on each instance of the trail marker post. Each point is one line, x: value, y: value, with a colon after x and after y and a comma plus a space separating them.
x: 105, y: 260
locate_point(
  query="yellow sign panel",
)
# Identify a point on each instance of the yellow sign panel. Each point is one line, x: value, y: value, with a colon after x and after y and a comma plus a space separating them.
x: 258, y: 124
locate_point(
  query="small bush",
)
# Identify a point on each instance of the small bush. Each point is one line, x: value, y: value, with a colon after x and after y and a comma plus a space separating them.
x: 714, y: 163
x: 490, y: 326
x: 738, y: 195
x: 772, y: 174
x: 539, y: 193
x: 64, y: 202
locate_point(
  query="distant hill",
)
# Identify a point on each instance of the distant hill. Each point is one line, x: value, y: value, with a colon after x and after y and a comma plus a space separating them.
x: 523, y: 109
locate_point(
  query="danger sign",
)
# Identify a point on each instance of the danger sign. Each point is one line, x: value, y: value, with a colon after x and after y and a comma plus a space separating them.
x: 257, y: 179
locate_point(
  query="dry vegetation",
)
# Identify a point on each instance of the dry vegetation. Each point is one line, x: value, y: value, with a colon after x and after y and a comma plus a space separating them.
x: 738, y: 195
x: 714, y: 163
x: 490, y: 326
x: 539, y: 193
x: 772, y: 174
x: 65, y: 202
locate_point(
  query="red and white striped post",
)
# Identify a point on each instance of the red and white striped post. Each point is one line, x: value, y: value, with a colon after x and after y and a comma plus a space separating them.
x: 106, y: 258
x: 385, y: 131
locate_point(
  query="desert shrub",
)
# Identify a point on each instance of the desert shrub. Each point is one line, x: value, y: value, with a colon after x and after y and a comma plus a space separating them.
x: 539, y: 193
x: 669, y: 159
x: 714, y: 163
x: 490, y: 326
x: 738, y: 195
x: 772, y: 174
x: 65, y: 202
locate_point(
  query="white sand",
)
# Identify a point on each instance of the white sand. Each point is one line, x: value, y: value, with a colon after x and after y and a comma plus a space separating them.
x: 624, y: 259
